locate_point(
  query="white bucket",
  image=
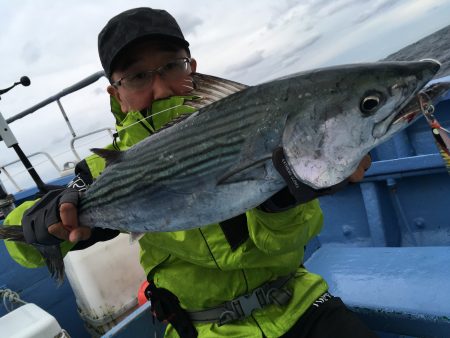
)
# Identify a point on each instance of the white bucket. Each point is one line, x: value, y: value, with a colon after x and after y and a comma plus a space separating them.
x: 105, y: 279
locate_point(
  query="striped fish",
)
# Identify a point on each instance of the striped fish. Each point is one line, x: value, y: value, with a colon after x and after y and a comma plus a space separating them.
x: 216, y: 163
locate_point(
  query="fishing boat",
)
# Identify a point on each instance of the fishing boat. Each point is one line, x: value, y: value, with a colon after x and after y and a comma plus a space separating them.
x: 384, y: 250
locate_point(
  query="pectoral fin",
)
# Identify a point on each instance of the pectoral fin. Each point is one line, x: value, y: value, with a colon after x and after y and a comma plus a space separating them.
x: 54, y: 260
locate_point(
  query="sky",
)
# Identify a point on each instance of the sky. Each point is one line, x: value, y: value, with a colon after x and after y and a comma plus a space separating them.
x: 54, y: 43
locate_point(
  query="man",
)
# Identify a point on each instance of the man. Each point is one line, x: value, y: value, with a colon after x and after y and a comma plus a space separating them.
x: 198, y: 277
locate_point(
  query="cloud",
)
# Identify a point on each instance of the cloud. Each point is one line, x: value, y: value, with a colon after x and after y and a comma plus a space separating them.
x: 189, y: 23
x: 293, y: 54
x: 374, y: 9
x: 244, y: 65
x: 281, y: 13
x: 326, y: 8
x: 31, y: 53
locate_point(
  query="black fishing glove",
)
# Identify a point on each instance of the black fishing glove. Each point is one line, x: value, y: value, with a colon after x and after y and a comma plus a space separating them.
x: 44, y: 213
x: 295, y: 192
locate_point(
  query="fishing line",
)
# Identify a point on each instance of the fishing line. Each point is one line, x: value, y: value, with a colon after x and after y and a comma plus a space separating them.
x: 189, y: 87
x: 96, y: 139
x: 55, y: 156
x: 149, y: 116
x: 90, y: 142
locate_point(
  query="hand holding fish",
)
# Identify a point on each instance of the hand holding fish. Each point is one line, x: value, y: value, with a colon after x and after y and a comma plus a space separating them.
x: 363, y: 166
x: 298, y: 192
x: 54, y: 218
x: 68, y: 228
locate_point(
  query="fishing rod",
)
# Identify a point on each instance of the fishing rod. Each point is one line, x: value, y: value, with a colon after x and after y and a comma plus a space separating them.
x: 10, y: 140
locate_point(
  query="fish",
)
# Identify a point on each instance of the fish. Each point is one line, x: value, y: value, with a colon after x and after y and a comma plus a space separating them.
x: 216, y: 163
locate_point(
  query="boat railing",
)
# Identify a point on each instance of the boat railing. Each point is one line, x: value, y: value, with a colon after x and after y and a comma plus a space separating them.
x: 16, y: 185
x: 76, y: 138
x: 56, y: 98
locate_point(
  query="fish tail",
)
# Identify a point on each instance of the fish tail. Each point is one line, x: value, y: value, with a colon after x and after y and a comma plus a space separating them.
x: 51, y: 253
x: 12, y: 233
x: 54, y: 261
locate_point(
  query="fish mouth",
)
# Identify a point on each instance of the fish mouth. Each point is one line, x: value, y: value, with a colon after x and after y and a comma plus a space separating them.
x: 408, y: 114
x: 425, y: 97
x: 404, y: 117
x: 413, y: 108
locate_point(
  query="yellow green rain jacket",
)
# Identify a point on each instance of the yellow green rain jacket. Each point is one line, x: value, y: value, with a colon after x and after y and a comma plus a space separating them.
x: 198, y: 265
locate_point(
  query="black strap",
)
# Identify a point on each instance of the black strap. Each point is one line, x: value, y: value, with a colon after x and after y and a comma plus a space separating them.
x: 235, y: 230
x: 82, y: 171
x: 297, y: 192
x: 166, y: 307
x: 115, y: 137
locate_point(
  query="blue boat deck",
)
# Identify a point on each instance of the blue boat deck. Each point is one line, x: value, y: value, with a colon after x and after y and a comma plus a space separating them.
x: 401, y: 290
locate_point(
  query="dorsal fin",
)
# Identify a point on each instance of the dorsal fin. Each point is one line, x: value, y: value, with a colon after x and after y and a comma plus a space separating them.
x: 110, y: 156
x: 173, y: 122
x: 211, y: 89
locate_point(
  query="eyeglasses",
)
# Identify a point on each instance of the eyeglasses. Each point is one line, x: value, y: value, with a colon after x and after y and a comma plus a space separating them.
x: 172, y: 70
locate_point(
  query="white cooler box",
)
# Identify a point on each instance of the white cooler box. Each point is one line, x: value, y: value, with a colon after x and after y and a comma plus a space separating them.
x: 29, y: 321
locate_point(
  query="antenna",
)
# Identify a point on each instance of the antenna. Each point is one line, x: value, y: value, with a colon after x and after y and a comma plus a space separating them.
x: 11, y: 142
x: 24, y: 81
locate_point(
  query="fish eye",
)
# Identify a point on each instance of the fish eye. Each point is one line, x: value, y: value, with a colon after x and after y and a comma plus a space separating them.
x: 370, y: 103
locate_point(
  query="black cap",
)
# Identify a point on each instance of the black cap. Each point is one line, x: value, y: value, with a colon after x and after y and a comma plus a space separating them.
x: 133, y: 24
